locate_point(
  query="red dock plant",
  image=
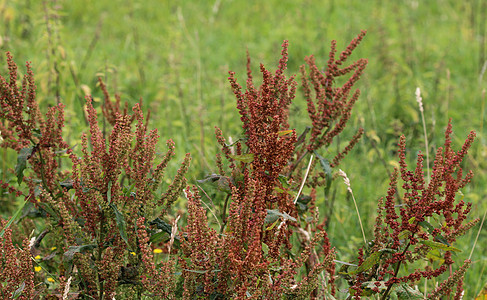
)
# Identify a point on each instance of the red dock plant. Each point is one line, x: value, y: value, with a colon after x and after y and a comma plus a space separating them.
x: 97, y: 213
x: 406, y: 234
x: 272, y: 244
x: 102, y: 210
x: 254, y: 255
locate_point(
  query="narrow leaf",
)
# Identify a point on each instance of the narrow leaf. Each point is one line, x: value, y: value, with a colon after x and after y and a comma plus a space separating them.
x: 265, y: 249
x: 430, y: 229
x: 24, y: 154
x: 274, y: 214
x: 160, y: 224
x: 426, y: 225
x: 284, y: 132
x: 325, y: 165
x: 209, y: 178
x: 13, y: 218
x: 201, y: 271
x: 18, y: 291
x: 436, y: 245
x: 435, y: 255
x: 368, y: 263
x: 302, y: 137
x: 404, y: 234
x: 67, y: 184
x: 47, y: 208
x: 109, y: 193
x: 121, y: 224
x: 72, y: 250
x: 160, y: 236
x: 345, y: 263
x: 405, y: 292
x: 37, y: 133
x: 283, y: 180
x: 273, y: 225
x: 128, y: 191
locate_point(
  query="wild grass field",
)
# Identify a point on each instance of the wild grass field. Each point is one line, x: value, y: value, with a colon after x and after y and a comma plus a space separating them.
x: 175, y: 56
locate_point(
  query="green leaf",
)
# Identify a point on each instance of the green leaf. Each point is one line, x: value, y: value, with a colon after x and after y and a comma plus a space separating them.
x: 13, y: 218
x: 24, y: 154
x: 283, y: 180
x: 302, y: 203
x: 435, y: 255
x: 273, y: 225
x: 67, y: 184
x: 265, y: 249
x: 345, y: 263
x: 405, y: 292
x: 209, y: 178
x: 325, y: 165
x: 160, y: 236
x: 47, y: 208
x: 222, y: 183
x: 37, y: 133
x: 302, y: 137
x: 128, y: 191
x: 109, y: 193
x: 18, y: 291
x: 246, y: 158
x: 234, y: 143
x: 436, y: 245
x: 201, y: 271
x: 368, y: 263
x: 404, y: 234
x: 160, y: 224
x: 426, y: 225
x: 430, y: 229
x: 388, y: 250
x: 284, y: 132
x: 121, y: 224
x: 72, y: 250
x: 289, y: 192
x: 274, y: 214
x: 369, y: 286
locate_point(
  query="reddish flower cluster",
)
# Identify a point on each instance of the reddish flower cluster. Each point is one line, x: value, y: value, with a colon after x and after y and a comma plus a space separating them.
x: 18, y: 132
x: 329, y: 107
x: 405, y: 234
x: 264, y: 114
x: 17, y: 273
x: 106, y: 213
x: 158, y: 281
x: 90, y: 214
x: 262, y: 185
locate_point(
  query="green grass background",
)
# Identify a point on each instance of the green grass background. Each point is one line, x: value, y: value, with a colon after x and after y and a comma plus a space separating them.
x: 176, y: 55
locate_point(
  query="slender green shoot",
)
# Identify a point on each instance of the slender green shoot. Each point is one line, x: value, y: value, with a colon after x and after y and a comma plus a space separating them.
x: 420, y: 103
x: 349, y: 188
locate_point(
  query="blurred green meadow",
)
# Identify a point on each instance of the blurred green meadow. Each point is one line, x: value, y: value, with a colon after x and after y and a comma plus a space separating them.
x: 175, y: 55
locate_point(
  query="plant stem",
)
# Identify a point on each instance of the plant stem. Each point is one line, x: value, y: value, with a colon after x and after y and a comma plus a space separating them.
x: 359, y: 219
x: 99, y: 256
x: 295, y: 165
x: 478, y: 233
x: 304, y: 178
x: 224, y: 214
x: 396, y: 271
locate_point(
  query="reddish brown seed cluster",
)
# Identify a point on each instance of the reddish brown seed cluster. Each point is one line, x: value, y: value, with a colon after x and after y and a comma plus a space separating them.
x: 92, y: 203
x: 410, y: 230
